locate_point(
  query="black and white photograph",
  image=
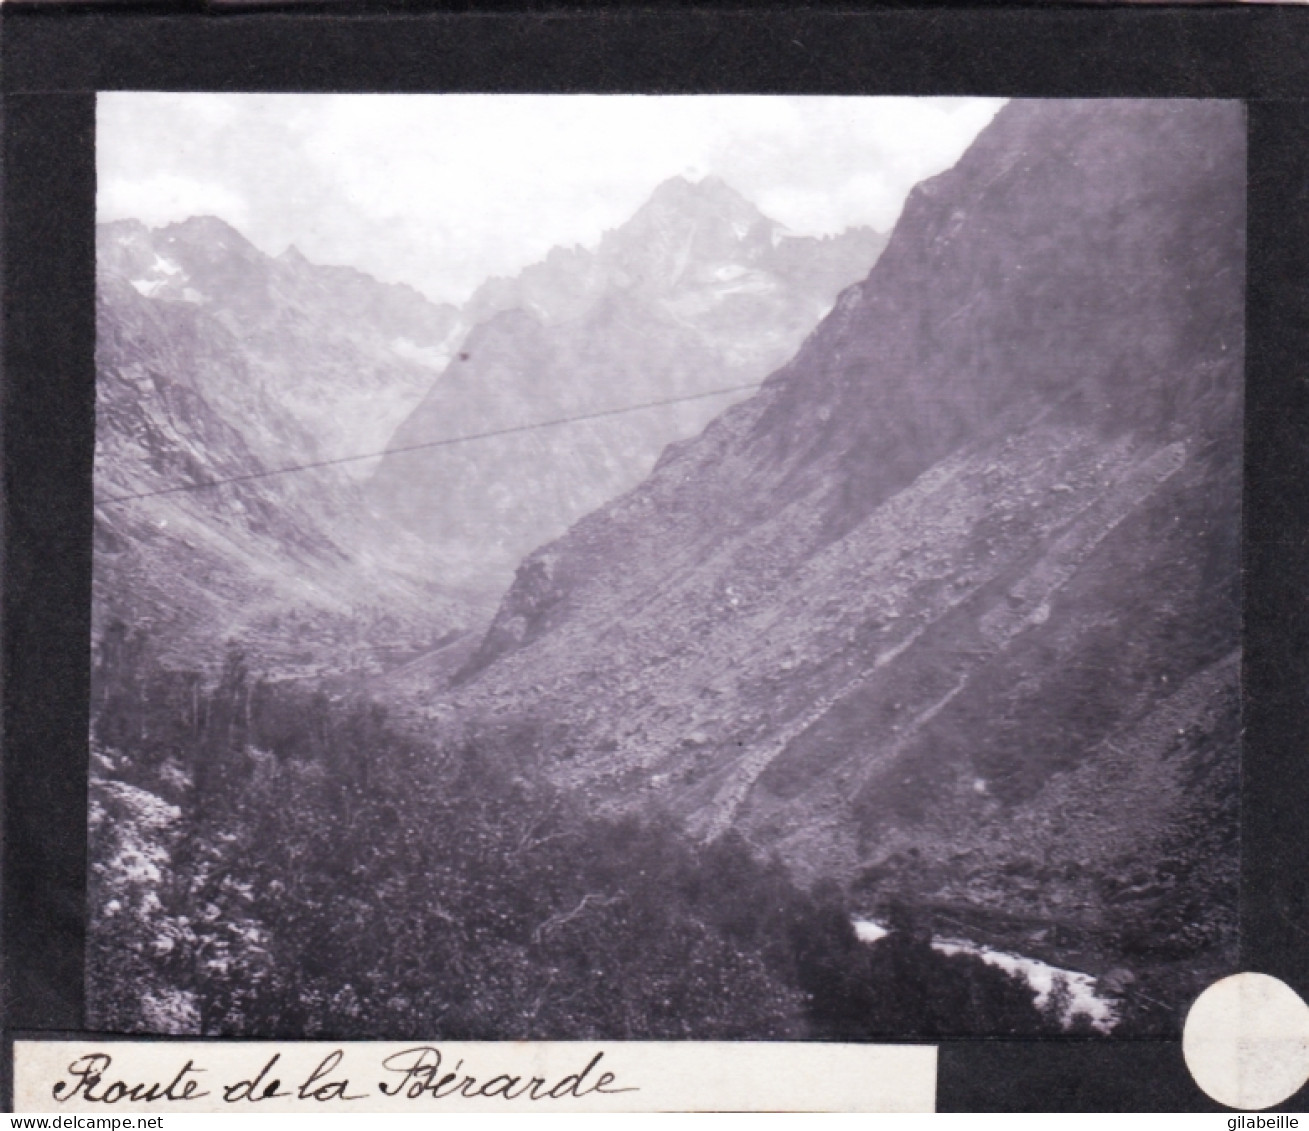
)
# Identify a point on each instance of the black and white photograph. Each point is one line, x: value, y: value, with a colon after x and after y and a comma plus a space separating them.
x: 665, y: 567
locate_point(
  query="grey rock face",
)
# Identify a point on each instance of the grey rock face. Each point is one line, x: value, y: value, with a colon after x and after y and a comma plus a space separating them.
x: 697, y: 292
x: 215, y: 362
x: 344, y: 356
x: 951, y: 606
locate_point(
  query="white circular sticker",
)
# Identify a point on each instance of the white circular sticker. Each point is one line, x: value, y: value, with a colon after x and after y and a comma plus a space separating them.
x: 1246, y: 1041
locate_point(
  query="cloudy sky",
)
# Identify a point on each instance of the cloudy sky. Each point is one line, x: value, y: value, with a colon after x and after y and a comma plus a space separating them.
x: 441, y: 191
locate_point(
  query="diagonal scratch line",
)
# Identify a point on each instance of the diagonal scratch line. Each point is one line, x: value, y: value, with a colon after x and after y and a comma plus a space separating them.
x: 444, y: 442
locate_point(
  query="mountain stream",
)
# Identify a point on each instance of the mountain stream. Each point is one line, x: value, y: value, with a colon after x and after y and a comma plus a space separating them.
x: 1084, y: 997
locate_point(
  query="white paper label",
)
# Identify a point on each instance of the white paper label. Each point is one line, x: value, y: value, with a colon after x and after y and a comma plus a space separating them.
x: 212, y: 1076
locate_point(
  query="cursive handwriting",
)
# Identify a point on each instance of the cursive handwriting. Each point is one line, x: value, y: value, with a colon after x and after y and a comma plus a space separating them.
x: 414, y: 1074
x: 419, y: 1069
x: 316, y: 1086
x: 89, y: 1073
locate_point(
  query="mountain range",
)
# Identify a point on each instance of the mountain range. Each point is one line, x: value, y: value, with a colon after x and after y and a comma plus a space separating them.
x: 697, y: 293
x: 941, y: 601
x: 949, y: 610
x: 217, y: 361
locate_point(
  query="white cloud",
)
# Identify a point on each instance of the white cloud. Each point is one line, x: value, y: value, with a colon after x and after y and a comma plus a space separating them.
x: 441, y: 191
x: 167, y: 197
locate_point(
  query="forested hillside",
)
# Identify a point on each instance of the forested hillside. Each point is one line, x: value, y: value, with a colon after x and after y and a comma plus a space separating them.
x: 268, y: 862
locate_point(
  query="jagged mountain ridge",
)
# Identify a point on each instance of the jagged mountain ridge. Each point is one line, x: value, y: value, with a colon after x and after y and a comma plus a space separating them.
x: 343, y: 355
x: 216, y: 362
x: 688, y: 236
x: 698, y: 292
x: 951, y: 606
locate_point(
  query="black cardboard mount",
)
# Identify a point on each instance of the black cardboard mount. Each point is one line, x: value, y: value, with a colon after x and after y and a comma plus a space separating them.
x: 54, y: 58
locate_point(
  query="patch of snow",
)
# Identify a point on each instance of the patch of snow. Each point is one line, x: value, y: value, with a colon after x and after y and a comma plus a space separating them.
x: 750, y: 283
x: 157, y: 275
x: 869, y: 932
x: 434, y: 357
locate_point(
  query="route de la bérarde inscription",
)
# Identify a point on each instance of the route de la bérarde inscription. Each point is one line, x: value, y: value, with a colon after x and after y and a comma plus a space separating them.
x: 417, y: 1073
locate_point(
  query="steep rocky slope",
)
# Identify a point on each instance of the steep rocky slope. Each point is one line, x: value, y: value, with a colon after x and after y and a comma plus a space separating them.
x: 343, y: 355
x: 217, y: 362
x: 698, y: 292
x: 949, y: 610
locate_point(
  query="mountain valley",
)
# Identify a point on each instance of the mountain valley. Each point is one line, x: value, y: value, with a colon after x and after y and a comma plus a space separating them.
x: 950, y: 609
x: 917, y: 582
x: 685, y: 307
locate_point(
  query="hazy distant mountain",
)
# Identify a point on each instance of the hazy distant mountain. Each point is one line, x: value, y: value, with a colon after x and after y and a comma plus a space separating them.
x: 345, y: 356
x: 950, y: 608
x: 698, y: 292
x: 215, y: 361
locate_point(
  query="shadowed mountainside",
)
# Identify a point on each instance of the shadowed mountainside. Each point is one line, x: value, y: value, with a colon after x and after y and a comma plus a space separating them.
x: 949, y: 610
x: 215, y: 361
